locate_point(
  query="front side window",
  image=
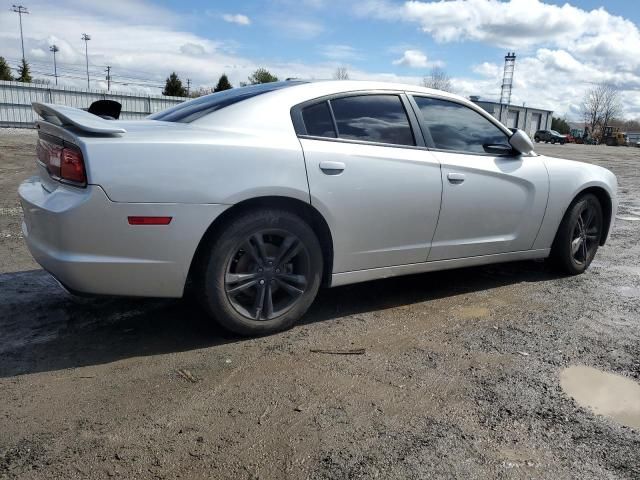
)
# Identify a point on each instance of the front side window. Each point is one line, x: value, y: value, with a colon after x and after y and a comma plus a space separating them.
x: 456, y: 127
x: 373, y: 118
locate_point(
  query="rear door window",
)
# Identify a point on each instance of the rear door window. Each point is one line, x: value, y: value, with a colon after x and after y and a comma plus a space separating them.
x: 318, y: 121
x: 373, y: 118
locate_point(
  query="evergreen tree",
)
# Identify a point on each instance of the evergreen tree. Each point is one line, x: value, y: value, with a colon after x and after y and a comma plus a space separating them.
x: 5, y: 70
x: 173, y: 86
x: 560, y: 125
x: 25, y: 73
x: 223, y: 84
x: 262, y: 75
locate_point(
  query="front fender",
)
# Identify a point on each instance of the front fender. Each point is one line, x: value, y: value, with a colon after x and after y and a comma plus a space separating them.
x: 567, y: 179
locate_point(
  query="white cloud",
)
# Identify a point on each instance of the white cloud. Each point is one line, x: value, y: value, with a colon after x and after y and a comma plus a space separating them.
x: 194, y: 49
x: 413, y: 59
x: 297, y: 28
x: 517, y: 24
x: 340, y: 52
x: 563, y: 49
x: 487, y: 69
x: 236, y: 18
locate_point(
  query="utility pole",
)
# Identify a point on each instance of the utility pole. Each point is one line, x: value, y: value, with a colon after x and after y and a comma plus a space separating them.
x: 188, y: 86
x: 86, y: 39
x: 108, y: 77
x: 19, y: 9
x: 54, y: 48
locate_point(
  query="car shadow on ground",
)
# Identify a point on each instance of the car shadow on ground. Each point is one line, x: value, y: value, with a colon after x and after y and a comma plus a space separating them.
x: 43, y: 328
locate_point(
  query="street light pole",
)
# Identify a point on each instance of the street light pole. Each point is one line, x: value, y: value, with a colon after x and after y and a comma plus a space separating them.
x: 86, y: 39
x: 19, y: 9
x: 54, y: 48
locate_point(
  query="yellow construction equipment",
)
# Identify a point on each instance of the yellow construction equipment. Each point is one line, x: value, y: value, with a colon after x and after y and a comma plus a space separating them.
x: 614, y: 137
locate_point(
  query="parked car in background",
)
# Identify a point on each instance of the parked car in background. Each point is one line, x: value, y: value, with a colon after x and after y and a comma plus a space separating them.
x: 550, y: 136
x: 252, y: 198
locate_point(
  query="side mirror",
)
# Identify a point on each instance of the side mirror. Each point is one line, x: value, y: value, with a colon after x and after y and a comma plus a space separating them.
x: 521, y: 142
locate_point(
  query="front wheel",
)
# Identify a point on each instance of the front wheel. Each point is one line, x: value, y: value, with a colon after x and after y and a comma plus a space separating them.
x: 262, y: 273
x: 579, y: 234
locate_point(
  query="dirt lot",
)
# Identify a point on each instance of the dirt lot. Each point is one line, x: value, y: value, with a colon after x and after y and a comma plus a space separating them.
x: 460, y: 378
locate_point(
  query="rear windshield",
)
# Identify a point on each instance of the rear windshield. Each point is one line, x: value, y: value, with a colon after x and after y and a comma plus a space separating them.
x: 192, y: 110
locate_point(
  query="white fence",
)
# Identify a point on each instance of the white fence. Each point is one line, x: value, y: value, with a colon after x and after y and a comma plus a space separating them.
x: 16, y: 98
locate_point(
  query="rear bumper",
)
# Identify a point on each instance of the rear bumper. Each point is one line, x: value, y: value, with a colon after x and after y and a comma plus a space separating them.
x: 84, y: 240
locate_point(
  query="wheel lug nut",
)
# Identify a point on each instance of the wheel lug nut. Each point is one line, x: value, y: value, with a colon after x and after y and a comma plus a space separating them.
x: 261, y: 282
x: 260, y: 270
x: 277, y: 270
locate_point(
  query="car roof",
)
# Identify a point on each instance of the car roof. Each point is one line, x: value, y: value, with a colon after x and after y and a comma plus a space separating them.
x: 330, y: 87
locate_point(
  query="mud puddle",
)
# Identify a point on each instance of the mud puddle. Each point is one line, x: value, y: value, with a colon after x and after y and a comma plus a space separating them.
x: 603, y: 393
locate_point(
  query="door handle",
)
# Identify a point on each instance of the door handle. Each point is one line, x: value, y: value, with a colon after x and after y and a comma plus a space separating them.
x: 455, y: 178
x: 332, y: 168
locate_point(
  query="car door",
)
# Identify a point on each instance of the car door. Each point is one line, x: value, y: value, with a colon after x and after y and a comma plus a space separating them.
x: 371, y: 178
x: 493, y: 200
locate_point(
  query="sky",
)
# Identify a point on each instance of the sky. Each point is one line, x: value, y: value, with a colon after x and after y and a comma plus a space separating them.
x: 562, y: 48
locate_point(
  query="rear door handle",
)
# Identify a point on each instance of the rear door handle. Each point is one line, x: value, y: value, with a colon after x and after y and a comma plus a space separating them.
x: 332, y: 168
x: 455, y: 178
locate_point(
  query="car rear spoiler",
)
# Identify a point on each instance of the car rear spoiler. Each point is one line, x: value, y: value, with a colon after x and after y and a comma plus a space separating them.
x: 85, y: 121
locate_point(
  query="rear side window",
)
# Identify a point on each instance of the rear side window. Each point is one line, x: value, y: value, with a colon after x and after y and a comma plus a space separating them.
x: 318, y: 121
x: 373, y: 118
x: 456, y: 127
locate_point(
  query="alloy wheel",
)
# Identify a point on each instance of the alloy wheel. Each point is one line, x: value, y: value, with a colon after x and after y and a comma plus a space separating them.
x: 586, y: 234
x: 267, y: 274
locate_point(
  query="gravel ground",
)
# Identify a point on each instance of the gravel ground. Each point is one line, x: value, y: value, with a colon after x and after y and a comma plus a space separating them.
x: 459, y: 379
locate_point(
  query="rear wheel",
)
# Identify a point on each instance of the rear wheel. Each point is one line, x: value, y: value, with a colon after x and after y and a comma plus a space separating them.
x: 262, y: 273
x: 579, y: 234
x: 537, y: 139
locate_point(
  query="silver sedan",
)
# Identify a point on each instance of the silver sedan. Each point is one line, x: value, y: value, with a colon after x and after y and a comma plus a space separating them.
x: 257, y: 196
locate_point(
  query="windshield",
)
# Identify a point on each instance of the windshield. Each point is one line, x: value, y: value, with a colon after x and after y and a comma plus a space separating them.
x: 192, y: 110
x: 556, y: 133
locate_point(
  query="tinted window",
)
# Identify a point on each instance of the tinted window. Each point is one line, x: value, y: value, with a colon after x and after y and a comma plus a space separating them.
x: 456, y: 127
x: 374, y: 118
x: 192, y: 110
x: 317, y: 119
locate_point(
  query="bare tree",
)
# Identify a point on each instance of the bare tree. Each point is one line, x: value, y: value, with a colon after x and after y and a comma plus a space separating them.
x: 438, y: 79
x: 611, y: 107
x: 600, y: 106
x: 341, y: 73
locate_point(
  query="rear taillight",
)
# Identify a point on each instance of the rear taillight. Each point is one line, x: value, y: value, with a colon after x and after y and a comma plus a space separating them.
x: 63, y: 161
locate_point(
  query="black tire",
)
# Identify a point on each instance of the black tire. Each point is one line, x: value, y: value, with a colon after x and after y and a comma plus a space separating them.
x: 238, y: 285
x: 578, y: 236
x: 553, y: 141
x: 537, y: 139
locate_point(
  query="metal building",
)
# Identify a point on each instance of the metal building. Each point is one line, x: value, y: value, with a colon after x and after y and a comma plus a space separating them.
x: 525, y: 118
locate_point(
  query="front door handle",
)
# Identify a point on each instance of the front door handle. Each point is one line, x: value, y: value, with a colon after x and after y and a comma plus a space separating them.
x: 332, y: 168
x: 455, y: 178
